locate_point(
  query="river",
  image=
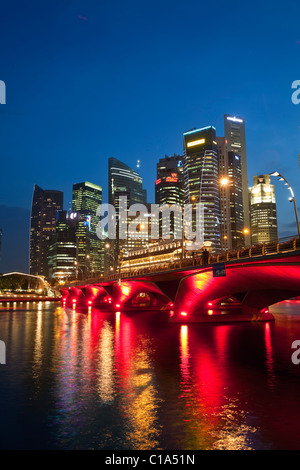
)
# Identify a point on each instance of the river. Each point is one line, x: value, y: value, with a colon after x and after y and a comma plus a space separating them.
x: 111, y: 381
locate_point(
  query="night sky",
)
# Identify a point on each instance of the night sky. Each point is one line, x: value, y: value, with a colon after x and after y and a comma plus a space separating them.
x: 89, y: 80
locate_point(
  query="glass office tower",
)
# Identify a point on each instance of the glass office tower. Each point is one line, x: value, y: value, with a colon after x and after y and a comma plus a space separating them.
x: 45, y: 204
x: 123, y: 179
x: 63, y: 248
x: 231, y: 197
x: 169, y: 189
x: 201, y: 179
x: 126, y: 182
x: 235, y: 135
x: 87, y: 197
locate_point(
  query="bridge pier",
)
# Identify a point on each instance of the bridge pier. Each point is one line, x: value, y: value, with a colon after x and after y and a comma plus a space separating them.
x: 245, y: 314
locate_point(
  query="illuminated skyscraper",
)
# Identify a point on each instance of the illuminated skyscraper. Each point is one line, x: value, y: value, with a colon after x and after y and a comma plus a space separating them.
x: 169, y: 188
x: 45, y: 204
x: 231, y: 199
x: 263, y: 210
x: 201, y: 179
x: 123, y: 182
x: 87, y: 197
x: 123, y: 179
x: 63, y: 247
x: 236, y: 140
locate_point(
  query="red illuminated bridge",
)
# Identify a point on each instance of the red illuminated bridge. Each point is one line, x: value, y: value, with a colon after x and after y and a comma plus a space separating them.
x: 197, y: 293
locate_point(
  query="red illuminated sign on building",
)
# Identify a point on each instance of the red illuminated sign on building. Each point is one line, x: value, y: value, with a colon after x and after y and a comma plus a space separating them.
x: 172, y: 179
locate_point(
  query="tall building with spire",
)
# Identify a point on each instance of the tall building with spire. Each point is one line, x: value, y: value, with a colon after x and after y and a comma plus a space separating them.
x: 44, y: 208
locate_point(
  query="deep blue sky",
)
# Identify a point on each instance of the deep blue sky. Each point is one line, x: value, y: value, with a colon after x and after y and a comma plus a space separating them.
x: 87, y: 80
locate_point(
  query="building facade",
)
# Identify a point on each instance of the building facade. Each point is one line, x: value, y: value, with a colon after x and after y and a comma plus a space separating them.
x: 235, y: 134
x: 45, y: 205
x: 63, y: 247
x: 201, y: 179
x: 124, y: 182
x: 263, y: 213
x: 231, y: 197
x: 159, y: 255
x: 169, y: 190
x: 86, y: 199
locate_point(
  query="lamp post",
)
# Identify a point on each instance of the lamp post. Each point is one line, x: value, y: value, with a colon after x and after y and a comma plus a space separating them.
x: 76, y: 269
x: 224, y: 182
x: 182, y: 238
x: 291, y: 199
x: 107, y: 246
x: 195, y: 200
x: 87, y: 265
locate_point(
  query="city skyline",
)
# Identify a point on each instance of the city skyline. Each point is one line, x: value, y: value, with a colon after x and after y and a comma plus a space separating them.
x: 136, y: 171
x: 150, y: 227
x: 130, y: 93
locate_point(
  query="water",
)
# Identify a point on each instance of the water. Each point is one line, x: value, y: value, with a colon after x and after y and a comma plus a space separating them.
x: 101, y: 381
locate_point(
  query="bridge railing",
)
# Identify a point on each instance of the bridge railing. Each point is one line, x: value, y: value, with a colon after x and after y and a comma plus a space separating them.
x: 282, y: 245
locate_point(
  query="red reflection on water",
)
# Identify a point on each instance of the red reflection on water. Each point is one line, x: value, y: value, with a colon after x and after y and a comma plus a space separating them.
x: 184, y: 353
x: 203, y: 379
x: 123, y: 348
x: 269, y: 355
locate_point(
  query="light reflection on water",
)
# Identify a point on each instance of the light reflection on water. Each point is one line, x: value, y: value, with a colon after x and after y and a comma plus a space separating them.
x: 103, y: 381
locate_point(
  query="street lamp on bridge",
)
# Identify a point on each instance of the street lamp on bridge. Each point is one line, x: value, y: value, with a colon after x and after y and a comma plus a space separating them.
x: 291, y: 199
x: 116, y: 262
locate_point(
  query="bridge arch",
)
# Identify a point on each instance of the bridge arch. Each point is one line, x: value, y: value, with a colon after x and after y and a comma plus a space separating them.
x: 136, y: 294
x: 252, y: 287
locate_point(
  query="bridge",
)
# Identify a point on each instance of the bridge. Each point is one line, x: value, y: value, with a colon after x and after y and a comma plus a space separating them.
x: 238, y: 286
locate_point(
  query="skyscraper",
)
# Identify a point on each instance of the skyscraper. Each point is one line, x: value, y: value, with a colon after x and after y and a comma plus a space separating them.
x: 231, y: 199
x: 63, y: 247
x: 87, y: 197
x: 263, y: 210
x: 236, y: 139
x: 123, y: 182
x: 45, y: 204
x: 201, y: 181
x: 123, y: 179
x: 169, y: 188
